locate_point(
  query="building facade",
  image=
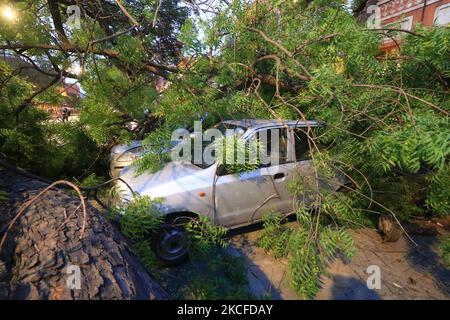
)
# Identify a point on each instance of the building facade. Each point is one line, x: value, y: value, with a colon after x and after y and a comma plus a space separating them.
x: 404, y: 14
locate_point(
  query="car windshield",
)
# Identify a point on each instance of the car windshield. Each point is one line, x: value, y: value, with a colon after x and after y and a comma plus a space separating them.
x: 226, y: 129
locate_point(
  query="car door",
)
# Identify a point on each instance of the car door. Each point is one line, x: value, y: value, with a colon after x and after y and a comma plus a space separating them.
x: 279, y: 176
x: 241, y: 199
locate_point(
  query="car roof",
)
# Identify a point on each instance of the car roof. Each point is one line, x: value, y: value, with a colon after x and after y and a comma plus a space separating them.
x: 261, y: 123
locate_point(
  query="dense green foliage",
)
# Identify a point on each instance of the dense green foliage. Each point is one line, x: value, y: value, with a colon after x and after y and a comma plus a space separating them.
x: 203, y: 235
x: 235, y: 154
x: 137, y: 220
x: 308, y: 257
x: 213, y: 273
x: 118, y: 81
x: 386, y: 113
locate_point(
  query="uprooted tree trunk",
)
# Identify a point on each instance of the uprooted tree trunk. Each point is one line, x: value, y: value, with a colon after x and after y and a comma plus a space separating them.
x: 36, y: 260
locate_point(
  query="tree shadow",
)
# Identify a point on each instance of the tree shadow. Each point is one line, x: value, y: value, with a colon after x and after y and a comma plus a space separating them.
x: 349, y: 288
x: 259, y: 284
x: 424, y: 258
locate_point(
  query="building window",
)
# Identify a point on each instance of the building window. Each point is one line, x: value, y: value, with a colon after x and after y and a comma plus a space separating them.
x: 442, y: 15
x: 404, y: 24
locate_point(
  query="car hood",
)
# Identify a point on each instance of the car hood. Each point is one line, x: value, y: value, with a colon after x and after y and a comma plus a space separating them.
x: 173, y: 178
x: 121, y: 148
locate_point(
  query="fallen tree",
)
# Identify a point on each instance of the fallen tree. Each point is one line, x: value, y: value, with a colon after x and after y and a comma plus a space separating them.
x: 43, y: 250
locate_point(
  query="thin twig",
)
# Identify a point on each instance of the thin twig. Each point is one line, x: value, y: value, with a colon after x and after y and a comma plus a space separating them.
x: 400, y: 90
x: 156, y: 12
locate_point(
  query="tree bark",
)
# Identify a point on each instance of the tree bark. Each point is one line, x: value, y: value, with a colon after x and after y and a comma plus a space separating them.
x: 45, y: 242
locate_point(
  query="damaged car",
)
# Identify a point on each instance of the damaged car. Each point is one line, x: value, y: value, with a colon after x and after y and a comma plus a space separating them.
x: 229, y: 199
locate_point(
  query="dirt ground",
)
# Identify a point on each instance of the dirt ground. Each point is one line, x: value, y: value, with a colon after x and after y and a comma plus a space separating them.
x: 407, y: 271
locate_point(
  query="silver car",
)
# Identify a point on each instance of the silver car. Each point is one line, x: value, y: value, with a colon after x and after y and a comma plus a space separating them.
x: 230, y: 200
x: 123, y: 155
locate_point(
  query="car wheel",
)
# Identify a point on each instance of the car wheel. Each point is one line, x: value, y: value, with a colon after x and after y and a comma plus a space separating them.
x: 170, y: 245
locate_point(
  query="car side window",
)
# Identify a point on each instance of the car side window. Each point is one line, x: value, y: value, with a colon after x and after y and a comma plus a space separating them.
x: 301, y: 145
x: 282, y: 154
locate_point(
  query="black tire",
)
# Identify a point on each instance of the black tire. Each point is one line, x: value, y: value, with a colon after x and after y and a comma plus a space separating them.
x: 170, y: 245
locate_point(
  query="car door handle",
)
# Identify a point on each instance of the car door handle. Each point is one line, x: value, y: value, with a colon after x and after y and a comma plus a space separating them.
x: 279, y: 175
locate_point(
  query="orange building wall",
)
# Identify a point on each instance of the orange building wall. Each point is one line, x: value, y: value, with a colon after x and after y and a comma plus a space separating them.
x: 397, y: 10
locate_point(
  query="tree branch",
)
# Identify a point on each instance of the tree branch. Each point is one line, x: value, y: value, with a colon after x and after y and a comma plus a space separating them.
x: 56, y: 17
x: 282, y: 48
x: 156, y: 12
x: 112, y: 36
x: 125, y: 12
x: 152, y: 67
x: 398, y: 30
